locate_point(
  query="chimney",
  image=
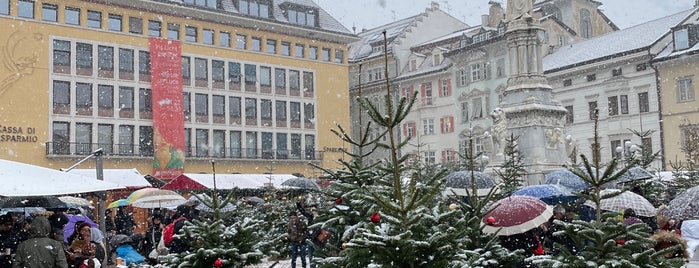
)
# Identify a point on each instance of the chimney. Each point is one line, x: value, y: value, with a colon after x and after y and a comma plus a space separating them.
x: 434, y: 5
x: 696, y: 3
x: 485, y: 20
x: 496, y: 14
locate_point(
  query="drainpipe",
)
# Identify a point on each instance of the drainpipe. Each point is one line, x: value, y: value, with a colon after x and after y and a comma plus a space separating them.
x: 660, y: 113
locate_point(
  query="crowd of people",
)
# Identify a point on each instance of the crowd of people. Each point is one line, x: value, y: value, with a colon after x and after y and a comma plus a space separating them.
x: 541, y: 240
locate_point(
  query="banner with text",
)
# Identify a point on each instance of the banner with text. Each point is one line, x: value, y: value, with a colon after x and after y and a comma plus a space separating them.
x: 168, y: 114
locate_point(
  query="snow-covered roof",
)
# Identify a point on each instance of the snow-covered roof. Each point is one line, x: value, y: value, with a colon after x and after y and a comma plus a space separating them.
x: 122, y: 177
x: 325, y: 21
x: 242, y: 181
x: 426, y: 67
x: 617, y: 42
x: 363, y: 48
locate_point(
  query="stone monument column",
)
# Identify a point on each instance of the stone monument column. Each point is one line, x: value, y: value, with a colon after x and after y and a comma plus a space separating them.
x: 530, y: 110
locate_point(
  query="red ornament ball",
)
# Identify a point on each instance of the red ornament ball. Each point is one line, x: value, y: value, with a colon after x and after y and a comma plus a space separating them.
x: 376, y: 218
x: 218, y: 263
x: 490, y: 220
x: 338, y: 201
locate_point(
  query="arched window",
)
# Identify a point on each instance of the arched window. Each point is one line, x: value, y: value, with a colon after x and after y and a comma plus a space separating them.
x: 585, y: 24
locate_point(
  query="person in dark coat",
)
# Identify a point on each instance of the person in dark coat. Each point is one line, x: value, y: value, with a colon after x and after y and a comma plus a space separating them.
x: 40, y: 251
x: 297, y: 229
x: 152, y: 237
x: 58, y: 221
x: 9, y: 240
x: 630, y: 217
x: 123, y: 222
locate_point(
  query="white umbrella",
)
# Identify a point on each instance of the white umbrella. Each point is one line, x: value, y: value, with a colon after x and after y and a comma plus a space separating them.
x: 155, y: 198
x: 625, y: 200
x: 20, y: 179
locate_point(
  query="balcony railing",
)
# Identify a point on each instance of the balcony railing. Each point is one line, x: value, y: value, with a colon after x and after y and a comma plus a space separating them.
x: 56, y: 148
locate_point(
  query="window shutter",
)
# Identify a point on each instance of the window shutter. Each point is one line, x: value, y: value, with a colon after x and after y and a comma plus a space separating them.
x: 412, y: 91
x: 439, y: 84
x: 441, y: 125
x: 449, y: 86
x: 422, y: 94
x: 451, y: 124
x: 467, y: 71
x: 487, y: 69
x: 444, y: 156
x: 405, y: 130
x: 414, y: 134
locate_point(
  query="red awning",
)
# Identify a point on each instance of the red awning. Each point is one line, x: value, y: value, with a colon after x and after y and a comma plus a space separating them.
x: 183, y: 182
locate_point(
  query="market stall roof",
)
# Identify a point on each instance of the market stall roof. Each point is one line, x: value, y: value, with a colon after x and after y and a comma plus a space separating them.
x: 190, y: 181
x: 125, y: 177
x: 20, y: 179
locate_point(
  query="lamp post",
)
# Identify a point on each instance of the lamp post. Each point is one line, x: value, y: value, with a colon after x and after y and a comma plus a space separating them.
x: 100, y: 176
x: 629, y: 152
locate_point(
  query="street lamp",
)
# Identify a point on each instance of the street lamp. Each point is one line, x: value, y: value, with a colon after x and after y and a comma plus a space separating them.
x: 100, y: 176
x: 629, y: 152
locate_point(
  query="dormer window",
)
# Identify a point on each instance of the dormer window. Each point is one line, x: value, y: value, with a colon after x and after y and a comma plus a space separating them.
x: 681, y: 37
x: 437, y: 59
x: 300, y: 15
x: 203, y: 3
x: 256, y: 8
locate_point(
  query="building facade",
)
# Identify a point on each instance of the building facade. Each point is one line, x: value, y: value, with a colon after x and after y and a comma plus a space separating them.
x: 252, y: 83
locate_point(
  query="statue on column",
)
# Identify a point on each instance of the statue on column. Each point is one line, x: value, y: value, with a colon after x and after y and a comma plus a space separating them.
x: 517, y: 9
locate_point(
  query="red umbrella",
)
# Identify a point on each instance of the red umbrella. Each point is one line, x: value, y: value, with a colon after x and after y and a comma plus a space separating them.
x: 515, y: 215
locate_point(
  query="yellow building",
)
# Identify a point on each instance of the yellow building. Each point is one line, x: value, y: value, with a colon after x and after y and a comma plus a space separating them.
x: 262, y: 84
x: 677, y: 69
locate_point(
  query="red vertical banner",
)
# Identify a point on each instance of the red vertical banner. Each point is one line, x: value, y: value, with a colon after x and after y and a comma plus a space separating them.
x: 168, y: 114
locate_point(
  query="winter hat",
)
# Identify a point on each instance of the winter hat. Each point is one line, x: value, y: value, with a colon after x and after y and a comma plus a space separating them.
x: 183, y: 211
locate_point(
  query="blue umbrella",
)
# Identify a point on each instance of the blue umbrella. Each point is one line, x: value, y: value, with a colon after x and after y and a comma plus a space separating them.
x: 550, y: 194
x: 565, y: 178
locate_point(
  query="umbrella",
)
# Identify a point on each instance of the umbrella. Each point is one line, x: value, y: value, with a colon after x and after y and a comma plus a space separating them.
x: 515, y: 215
x: 254, y: 200
x: 550, y: 194
x: 69, y: 228
x: 119, y: 239
x: 196, y: 199
x: 634, y: 174
x: 625, y: 200
x: 460, y: 181
x: 48, y: 201
x: 26, y: 211
x: 685, y: 206
x: 79, y: 201
x: 118, y: 203
x: 566, y: 178
x: 155, y: 198
x: 302, y: 183
x: 19, y: 179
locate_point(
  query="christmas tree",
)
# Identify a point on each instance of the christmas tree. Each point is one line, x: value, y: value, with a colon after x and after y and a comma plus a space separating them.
x: 512, y: 170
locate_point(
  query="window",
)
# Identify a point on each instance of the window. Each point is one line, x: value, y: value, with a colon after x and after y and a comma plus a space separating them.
x: 83, y: 98
x: 217, y: 71
x: 436, y: 59
x: 267, y: 145
x: 325, y: 52
x: 282, y: 146
x: 5, y: 7
x: 643, y: 106
x: 144, y: 62
x: 591, y: 77
x: 445, y: 88
x: 114, y: 22
x: 426, y: 93
x: 190, y: 34
x: 224, y: 39
x: 256, y: 44
x: 313, y: 53
x: 251, y: 144
x: 480, y: 71
x: 266, y: 110
x: 280, y: 111
x: 306, y: 17
x: 236, y: 143
x: 299, y: 51
x: 83, y: 59
x: 187, y: 105
x: 464, y: 112
x: 409, y: 129
x: 25, y: 9
x: 145, y: 103
x: 339, y: 56
x: 251, y: 110
x: 294, y: 80
x: 413, y: 65
x: 83, y: 138
x: 250, y: 74
x: 286, y: 48
x: 585, y: 24
x: 126, y: 102
x: 295, y: 146
x: 428, y: 126
x: 613, y: 105
x: 154, y: 28
x: 61, y: 53
x: 567, y: 82
x: 310, y: 142
x: 569, y: 115
x: 105, y: 100
x: 685, y: 90
x: 61, y: 97
x: 294, y: 112
x: 616, y: 71
x: 202, y: 142
x: 49, y: 12
x: 271, y: 46
x: 173, y: 31
x: 186, y: 69
x: 463, y: 76
x: 94, y: 19
x: 592, y: 108
x: 641, y: 67
x: 614, y: 144
x: 201, y: 72
x: 105, y: 61
x: 105, y: 137
x: 234, y: 107
x: 234, y: 72
x: 208, y: 36
x: 240, y: 41
x: 477, y: 108
x: 203, y: 3
x: 309, y: 115
x: 308, y: 88
x: 280, y: 78
x: 219, y: 146
x: 257, y: 8
x: 218, y: 108
x: 126, y: 63
x: 61, y: 137
x: 201, y: 107
x: 624, y: 104
x: 265, y: 76
x: 446, y: 124
x: 135, y: 25
x: 72, y: 16
x: 681, y: 39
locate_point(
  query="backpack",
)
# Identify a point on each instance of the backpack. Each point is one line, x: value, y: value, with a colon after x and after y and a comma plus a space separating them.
x: 169, y: 231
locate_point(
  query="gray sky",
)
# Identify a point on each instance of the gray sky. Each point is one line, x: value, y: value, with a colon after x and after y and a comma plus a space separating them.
x: 372, y: 13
